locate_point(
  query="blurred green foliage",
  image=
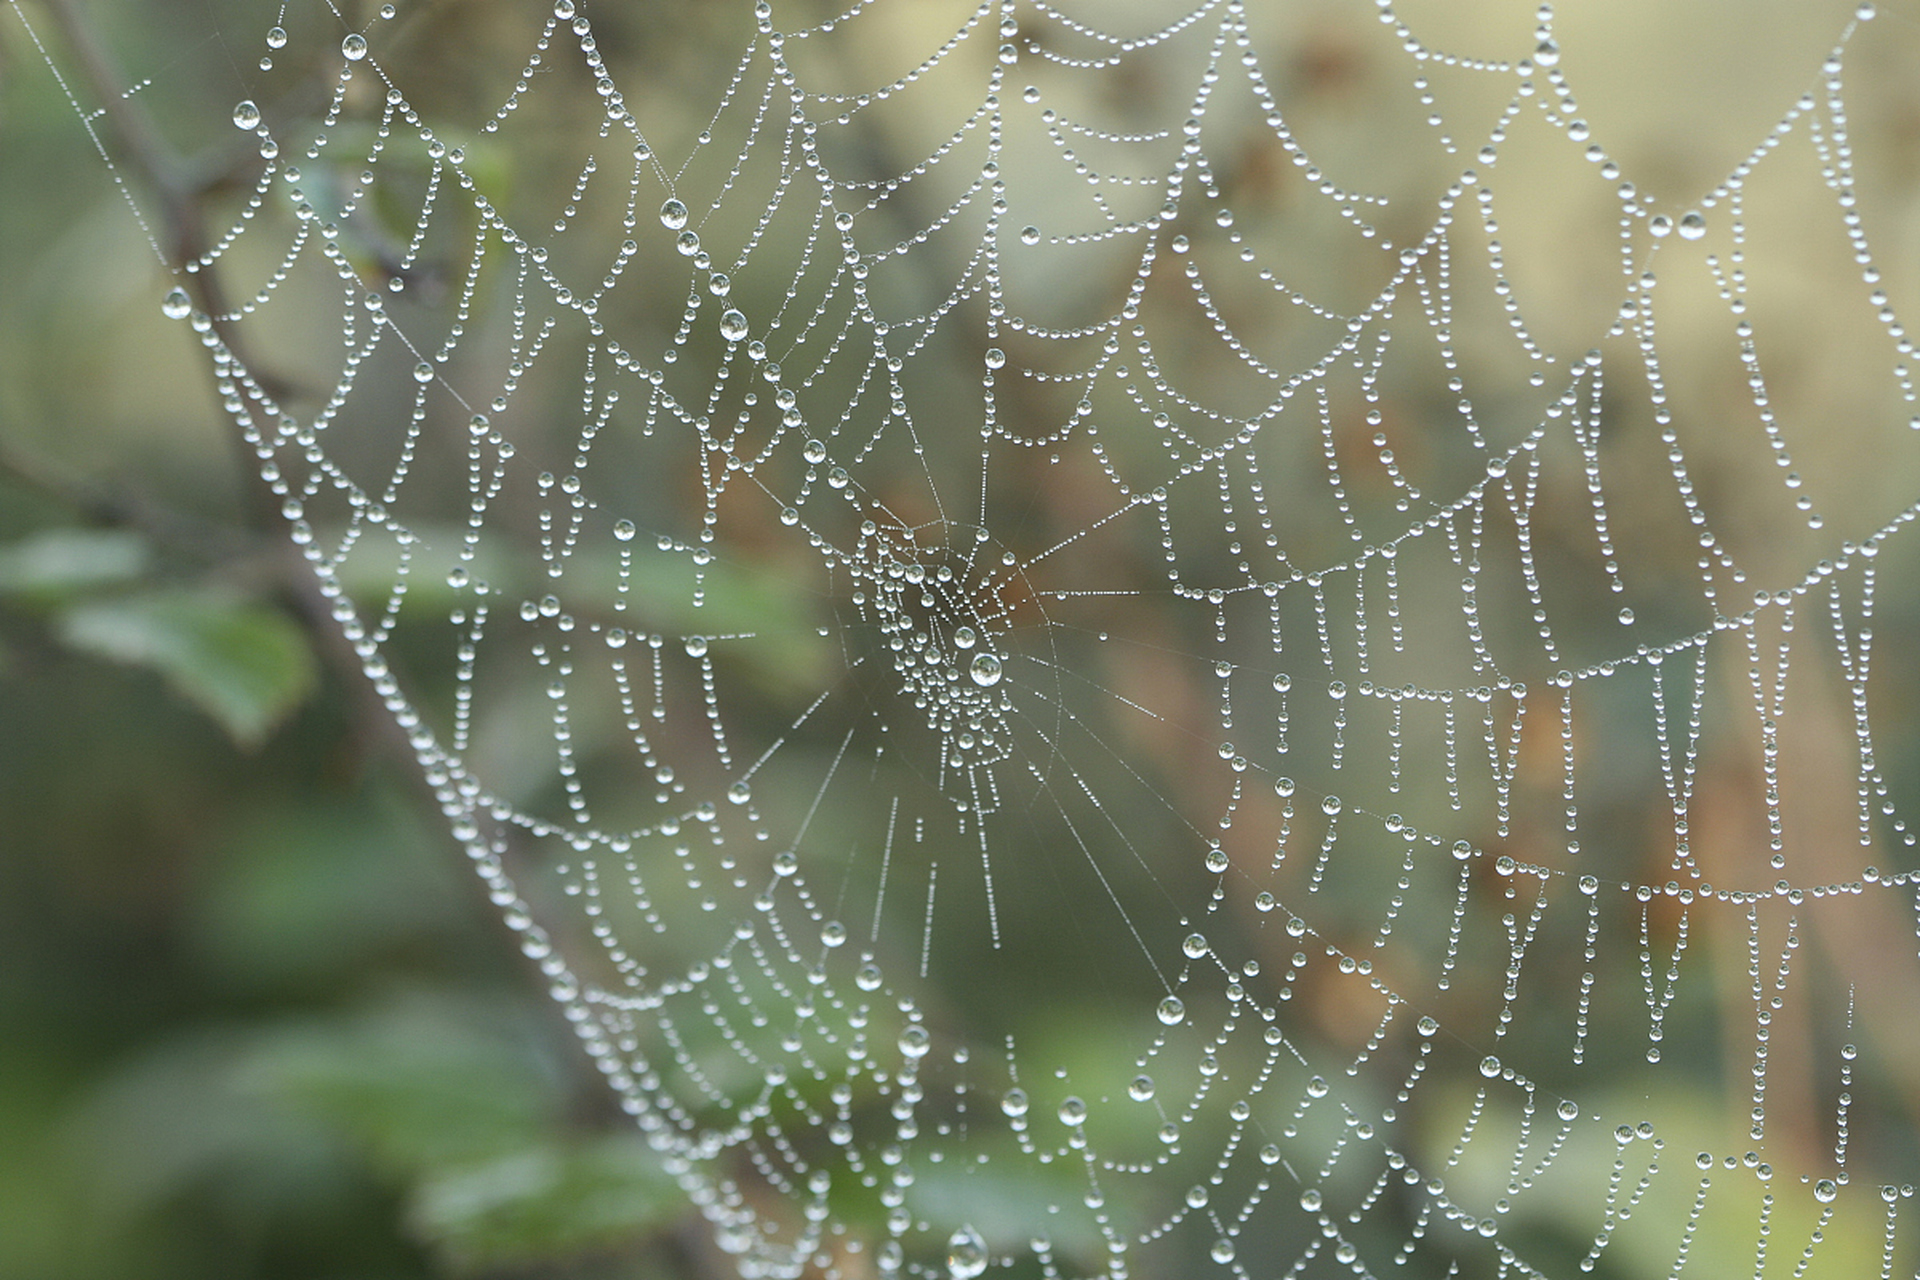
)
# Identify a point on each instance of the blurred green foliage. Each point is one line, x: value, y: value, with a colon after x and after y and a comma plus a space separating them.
x: 257, y: 1019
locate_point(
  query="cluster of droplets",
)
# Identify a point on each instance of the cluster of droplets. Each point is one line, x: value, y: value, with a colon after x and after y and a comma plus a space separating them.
x: 941, y: 622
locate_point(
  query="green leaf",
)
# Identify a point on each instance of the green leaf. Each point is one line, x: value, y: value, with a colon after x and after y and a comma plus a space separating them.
x: 422, y: 1080
x: 59, y: 563
x: 245, y: 664
x: 535, y: 1204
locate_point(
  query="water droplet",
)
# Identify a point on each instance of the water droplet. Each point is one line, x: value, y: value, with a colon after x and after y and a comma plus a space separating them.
x: 176, y: 305
x: 1222, y: 1251
x: 1692, y: 225
x: 1489, y: 1066
x: 1427, y: 1026
x: 833, y: 934
x: 1546, y: 53
x: 1171, y: 1010
x: 623, y: 530
x: 354, y: 47
x: 966, y: 1254
x: 1569, y: 1110
x: 733, y: 325
x: 1073, y: 1111
x: 673, y: 215
x: 996, y: 358
x: 914, y: 1041
x: 740, y: 792
x: 1195, y: 946
x: 1014, y: 1102
x: 1826, y: 1191
x: 246, y: 115
x: 1141, y: 1090
x: 1311, y: 1200
x: 276, y: 37
x: 985, y: 670
x: 964, y: 637
x: 696, y: 646
x: 814, y: 451
x: 838, y: 478
x: 423, y: 372
x: 1029, y: 235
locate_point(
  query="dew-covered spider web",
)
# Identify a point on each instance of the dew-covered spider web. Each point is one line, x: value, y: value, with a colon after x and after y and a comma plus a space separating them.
x: 1098, y: 638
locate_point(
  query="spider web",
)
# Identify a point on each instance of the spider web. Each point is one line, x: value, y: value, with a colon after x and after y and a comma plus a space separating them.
x: 1098, y: 640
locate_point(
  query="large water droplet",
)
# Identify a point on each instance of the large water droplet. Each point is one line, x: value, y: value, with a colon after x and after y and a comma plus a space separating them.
x: 1692, y: 225
x: 1171, y: 1010
x: 1826, y: 1191
x: 985, y: 670
x: 673, y: 215
x: 733, y: 325
x: 964, y: 637
x: 966, y: 1254
x: 354, y: 47
x: 1014, y: 1102
x: 176, y: 305
x: 246, y: 115
x: 276, y: 37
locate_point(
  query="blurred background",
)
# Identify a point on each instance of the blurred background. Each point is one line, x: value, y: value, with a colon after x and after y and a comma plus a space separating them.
x: 256, y: 1017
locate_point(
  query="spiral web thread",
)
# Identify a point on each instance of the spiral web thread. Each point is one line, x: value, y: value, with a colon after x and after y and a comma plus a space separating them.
x: 1074, y: 666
